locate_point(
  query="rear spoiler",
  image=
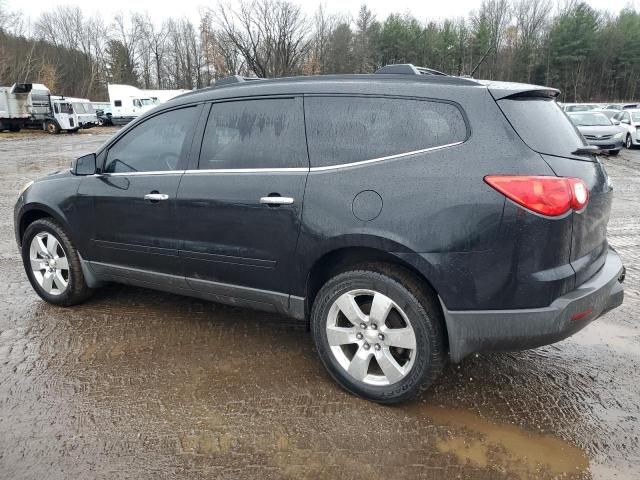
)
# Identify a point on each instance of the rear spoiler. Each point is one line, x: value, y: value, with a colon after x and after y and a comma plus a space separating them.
x: 501, y: 90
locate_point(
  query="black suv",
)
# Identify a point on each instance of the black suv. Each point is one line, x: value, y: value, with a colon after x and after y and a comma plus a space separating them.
x: 409, y: 217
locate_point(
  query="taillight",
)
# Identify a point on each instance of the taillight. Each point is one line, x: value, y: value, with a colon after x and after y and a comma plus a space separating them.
x: 550, y: 196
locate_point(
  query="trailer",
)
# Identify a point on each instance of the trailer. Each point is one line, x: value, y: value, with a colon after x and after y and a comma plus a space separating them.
x: 14, y: 107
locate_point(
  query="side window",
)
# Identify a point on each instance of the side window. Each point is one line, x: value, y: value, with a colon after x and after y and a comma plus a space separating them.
x: 117, y: 103
x: 265, y: 133
x: 351, y: 129
x: 158, y: 144
x: 55, y: 108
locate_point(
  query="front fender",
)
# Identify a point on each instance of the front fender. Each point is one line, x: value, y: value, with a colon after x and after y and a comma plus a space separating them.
x: 52, y: 197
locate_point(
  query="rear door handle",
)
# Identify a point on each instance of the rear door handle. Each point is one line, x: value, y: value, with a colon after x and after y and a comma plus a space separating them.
x: 156, y: 197
x: 276, y: 200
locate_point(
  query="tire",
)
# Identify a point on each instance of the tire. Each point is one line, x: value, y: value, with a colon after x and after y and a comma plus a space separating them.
x: 100, y: 122
x: 628, y: 143
x: 613, y: 153
x: 14, y: 128
x: 76, y: 290
x: 52, y: 127
x: 411, y: 307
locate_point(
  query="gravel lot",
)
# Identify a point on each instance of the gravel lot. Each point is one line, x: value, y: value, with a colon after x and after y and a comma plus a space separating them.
x: 141, y: 384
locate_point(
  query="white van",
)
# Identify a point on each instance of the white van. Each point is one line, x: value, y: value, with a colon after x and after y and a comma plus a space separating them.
x: 85, y: 112
x: 129, y: 102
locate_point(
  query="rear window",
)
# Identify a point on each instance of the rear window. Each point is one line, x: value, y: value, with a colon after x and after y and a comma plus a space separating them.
x: 264, y: 133
x: 352, y: 129
x: 542, y: 125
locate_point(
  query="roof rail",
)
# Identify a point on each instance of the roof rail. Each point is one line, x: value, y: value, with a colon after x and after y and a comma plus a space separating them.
x: 233, y: 79
x: 408, y: 69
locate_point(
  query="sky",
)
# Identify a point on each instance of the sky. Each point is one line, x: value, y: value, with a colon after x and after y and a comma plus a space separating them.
x: 161, y: 9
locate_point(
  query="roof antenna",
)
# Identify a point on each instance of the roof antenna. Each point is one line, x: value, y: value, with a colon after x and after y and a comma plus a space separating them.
x: 481, y: 60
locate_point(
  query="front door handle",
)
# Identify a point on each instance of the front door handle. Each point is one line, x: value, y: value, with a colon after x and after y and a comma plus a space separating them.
x: 156, y: 197
x: 276, y: 200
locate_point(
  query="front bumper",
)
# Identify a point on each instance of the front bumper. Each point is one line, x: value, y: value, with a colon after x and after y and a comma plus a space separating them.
x: 495, y: 330
x: 609, y: 144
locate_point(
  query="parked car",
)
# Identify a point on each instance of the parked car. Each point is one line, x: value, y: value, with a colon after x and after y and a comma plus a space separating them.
x: 621, y: 106
x: 630, y: 121
x: 610, y: 113
x: 600, y: 131
x: 103, y: 112
x: 405, y: 217
x: 579, y: 107
x: 104, y: 118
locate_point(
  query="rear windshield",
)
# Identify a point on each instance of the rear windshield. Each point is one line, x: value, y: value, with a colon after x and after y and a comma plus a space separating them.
x: 542, y: 125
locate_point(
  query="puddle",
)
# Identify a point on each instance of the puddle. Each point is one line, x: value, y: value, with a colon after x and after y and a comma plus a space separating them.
x: 505, y: 447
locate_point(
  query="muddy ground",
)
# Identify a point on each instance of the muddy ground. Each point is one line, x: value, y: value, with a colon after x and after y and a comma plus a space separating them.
x: 140, y: 384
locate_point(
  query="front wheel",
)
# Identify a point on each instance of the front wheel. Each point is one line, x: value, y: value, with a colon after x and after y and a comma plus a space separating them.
x: 52, y: 127
x: 52, y: 264
x: 628, y: 143
x: 378, y: 334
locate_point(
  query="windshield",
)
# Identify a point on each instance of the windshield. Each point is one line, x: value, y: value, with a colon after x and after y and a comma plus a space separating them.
x: 146, y: 101
x: 578, y: 108
x: 589, y: 119
x: 66, y: 108
x: 79, y: 108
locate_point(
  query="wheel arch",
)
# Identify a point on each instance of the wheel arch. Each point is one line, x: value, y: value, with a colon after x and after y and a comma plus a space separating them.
x: 33, y: 212
x: 342, y: 258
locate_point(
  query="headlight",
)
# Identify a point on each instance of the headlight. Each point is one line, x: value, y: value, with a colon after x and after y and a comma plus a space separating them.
x: 27, y: 185
x: 618, y: 135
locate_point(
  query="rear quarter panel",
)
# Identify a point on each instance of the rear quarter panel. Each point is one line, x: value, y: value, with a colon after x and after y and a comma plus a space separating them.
x: 440, y: 216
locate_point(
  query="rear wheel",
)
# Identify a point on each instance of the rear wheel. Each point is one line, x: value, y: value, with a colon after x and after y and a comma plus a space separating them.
x: 627, y: 142
x: 378, y: 334
x: 52, y: 264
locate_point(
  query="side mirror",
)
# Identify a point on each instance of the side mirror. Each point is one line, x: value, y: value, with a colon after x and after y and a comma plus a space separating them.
x: 85, y: 165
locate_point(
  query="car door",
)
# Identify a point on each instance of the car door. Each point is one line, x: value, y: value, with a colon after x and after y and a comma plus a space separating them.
x: 134, y: 197
x: 240, y: 204
x: 624, y: 119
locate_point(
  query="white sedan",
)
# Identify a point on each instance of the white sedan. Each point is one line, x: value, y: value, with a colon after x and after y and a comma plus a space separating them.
x: 630, y: 121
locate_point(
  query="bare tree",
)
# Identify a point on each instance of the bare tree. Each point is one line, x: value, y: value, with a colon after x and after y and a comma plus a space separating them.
x: 271, y: 35
x: 531, y: 19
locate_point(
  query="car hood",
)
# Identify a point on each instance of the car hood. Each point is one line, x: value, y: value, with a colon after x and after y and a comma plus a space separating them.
x: 55, y: 175
x: 600, y: 130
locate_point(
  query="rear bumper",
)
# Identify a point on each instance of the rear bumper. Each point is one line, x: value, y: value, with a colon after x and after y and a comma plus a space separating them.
x: 495, y: 330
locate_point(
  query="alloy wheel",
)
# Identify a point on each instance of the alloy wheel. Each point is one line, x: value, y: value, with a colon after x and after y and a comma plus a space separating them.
x: 371, y: 337
x: 49, y: 263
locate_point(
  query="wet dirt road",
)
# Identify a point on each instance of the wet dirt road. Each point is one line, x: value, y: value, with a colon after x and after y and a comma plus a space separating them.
x: 140, y: 384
